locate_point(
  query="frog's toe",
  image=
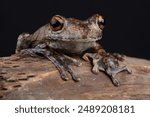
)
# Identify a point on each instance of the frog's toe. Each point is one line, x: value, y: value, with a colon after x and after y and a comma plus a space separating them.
x: 129, y: 71
x: 115, y: 82
x: 73, y: 74
x: 86, y: 57
x: 122, y: 68
x: 95, y: 69
x: 64, y: 76
x: 77, y: 63
x: 93, y: 56
x: 77, y: 79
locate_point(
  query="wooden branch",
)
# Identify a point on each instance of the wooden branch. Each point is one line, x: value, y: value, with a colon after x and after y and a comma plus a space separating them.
x: 37, y: 78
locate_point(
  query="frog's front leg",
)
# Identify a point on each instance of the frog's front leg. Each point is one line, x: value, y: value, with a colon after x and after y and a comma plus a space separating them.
x: 39, y: 50
x: 107, y: 63
x: 62, y: 62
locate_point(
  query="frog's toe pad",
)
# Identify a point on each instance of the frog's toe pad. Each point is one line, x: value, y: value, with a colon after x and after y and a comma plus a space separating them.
x: 64, y: 77
x: 77, y: 79
x: 115, y: 82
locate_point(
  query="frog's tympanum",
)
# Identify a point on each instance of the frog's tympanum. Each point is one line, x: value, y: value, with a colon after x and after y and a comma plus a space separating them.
x: 63, y: 38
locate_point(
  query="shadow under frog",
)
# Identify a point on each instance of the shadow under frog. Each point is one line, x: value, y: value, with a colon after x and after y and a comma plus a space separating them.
x: 63, y: 37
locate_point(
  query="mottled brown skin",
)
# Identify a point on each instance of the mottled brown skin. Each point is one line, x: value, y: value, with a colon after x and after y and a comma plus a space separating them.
x: 64, y: 37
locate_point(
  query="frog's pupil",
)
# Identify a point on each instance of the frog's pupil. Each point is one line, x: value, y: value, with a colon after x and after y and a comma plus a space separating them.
x: 55, y: 23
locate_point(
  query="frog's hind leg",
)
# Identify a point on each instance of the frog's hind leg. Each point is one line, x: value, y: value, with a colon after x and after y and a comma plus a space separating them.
x: 23, y: 42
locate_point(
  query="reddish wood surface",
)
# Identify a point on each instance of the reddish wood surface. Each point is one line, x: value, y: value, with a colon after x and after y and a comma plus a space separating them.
x: 37, y: 78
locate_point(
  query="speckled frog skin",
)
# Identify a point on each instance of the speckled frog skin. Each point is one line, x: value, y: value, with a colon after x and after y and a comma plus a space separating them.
x: 62, y: 38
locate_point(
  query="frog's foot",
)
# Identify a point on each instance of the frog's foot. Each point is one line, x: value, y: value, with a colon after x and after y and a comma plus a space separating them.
x: 75, y: 77
x: 58, y: 66
x: 67, y: 63
x: 63, y: 63
x: 95, y: 58
x: 109, y: 64
x: 113, y: 71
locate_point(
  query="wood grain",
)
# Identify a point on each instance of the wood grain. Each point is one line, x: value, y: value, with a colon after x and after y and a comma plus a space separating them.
x: 37, y: 78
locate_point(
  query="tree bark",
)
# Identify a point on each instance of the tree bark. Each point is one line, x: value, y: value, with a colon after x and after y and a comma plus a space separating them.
x: 37, y: 78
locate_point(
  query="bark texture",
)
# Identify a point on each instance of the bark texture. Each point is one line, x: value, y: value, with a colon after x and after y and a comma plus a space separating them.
x: 37, y: 78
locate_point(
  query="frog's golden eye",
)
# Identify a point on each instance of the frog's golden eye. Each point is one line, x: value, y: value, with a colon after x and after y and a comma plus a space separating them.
x: 56, y: 23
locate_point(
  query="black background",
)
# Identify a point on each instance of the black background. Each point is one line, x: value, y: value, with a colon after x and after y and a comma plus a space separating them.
x: 127, y: 21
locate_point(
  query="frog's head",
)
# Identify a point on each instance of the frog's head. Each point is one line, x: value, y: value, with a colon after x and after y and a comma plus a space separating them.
x: 70, y: 29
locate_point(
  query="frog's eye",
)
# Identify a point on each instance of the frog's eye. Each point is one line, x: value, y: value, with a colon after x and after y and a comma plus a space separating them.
x: 56, y: 23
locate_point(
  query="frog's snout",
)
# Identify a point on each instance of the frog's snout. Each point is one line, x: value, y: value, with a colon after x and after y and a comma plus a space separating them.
x: 100, y: 22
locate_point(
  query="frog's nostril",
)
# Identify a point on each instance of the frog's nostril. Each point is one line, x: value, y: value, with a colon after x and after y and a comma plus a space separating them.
x: 102, y: 22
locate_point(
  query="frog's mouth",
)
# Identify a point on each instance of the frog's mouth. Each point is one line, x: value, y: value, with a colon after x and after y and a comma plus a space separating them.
x: 75, y: 39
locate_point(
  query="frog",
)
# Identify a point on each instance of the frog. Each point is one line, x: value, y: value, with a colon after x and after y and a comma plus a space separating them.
x: 61, y: 39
